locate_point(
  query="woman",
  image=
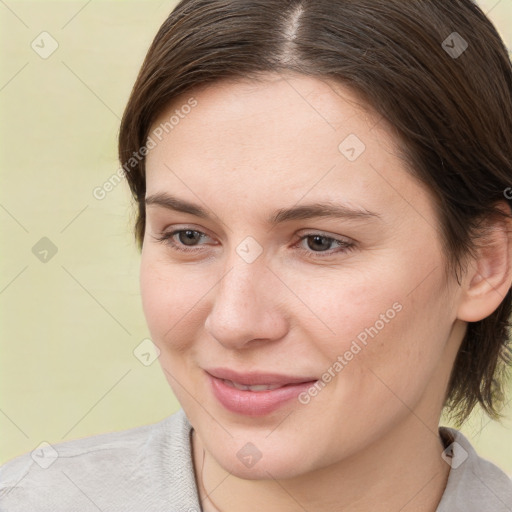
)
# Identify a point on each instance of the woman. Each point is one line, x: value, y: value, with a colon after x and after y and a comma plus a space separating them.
x: 325, y: 234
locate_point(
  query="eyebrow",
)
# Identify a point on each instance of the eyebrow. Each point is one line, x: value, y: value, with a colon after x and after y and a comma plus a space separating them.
x: 307, y: 211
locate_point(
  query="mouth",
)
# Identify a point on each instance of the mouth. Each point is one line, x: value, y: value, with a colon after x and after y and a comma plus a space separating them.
x: 257, y: 388
x: 253, y: 378
x: 255, y: 394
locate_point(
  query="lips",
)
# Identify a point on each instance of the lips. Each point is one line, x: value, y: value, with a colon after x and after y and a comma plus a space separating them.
x: 257, y: 378
x: 258, y: 387
x: 255, y: 394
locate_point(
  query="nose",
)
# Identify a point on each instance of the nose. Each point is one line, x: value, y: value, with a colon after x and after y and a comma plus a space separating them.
x: 247, y: 307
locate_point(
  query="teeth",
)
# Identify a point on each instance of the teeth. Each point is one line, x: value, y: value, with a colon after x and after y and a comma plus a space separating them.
x: 260, y: 387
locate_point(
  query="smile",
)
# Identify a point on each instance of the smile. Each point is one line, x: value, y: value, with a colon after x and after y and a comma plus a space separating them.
x: 259, y: 387
x: 255, y: 394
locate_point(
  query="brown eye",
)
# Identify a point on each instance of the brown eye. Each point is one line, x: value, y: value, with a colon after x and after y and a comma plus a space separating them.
x: 189, y: 237
x: 183, y: 239
x: 319, y: 243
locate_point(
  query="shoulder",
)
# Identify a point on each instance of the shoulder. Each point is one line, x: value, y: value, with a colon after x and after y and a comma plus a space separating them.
x: 474, y: 483
x: 96, y: 472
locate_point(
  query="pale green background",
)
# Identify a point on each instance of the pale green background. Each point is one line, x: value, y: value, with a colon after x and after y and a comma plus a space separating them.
x: 69, y: 326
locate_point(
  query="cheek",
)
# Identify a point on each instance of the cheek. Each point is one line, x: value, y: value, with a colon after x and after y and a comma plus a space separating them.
x: 379, y: 324
x: 346, y: 305
x: 171, y: 297
x: 153, y: 294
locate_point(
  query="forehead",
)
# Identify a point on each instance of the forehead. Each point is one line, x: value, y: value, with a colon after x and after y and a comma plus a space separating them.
x: 274, y: 101
x: 287, y: 135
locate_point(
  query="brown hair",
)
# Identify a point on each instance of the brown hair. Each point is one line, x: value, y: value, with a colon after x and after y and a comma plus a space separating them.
x: 436, y: 70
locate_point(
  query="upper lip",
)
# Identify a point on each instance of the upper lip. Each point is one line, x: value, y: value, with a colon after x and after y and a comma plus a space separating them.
x: 257, y: 378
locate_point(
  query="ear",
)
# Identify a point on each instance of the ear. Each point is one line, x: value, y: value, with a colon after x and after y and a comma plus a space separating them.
x: 489, y: 275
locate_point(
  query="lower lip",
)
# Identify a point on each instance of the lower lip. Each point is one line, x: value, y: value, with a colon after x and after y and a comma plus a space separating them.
x: 255, y: 403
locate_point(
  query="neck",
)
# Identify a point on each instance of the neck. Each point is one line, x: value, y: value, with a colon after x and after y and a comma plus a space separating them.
x: 401, y: 471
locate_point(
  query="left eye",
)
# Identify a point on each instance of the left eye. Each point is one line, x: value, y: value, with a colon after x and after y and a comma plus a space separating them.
x: 317, y: 243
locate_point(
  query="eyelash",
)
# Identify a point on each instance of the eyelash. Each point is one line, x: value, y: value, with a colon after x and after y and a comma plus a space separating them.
x: 344, y: 246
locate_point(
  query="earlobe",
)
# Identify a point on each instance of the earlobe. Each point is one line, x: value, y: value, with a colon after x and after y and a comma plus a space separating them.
x: 490, y: 276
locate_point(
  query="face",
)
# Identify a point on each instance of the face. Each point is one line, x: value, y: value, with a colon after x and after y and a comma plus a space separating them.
x: 287, y: 245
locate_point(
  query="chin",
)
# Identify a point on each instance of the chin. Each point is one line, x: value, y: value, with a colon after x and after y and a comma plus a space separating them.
x: 261, y: 460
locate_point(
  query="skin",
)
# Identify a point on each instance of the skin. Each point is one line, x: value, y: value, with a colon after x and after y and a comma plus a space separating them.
x: 369, y: 439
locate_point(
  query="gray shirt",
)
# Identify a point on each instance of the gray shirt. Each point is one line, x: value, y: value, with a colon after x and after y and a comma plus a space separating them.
x: 150, y: 469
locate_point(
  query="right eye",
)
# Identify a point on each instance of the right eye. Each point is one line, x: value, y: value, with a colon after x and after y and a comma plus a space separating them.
x: 179, y: 239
